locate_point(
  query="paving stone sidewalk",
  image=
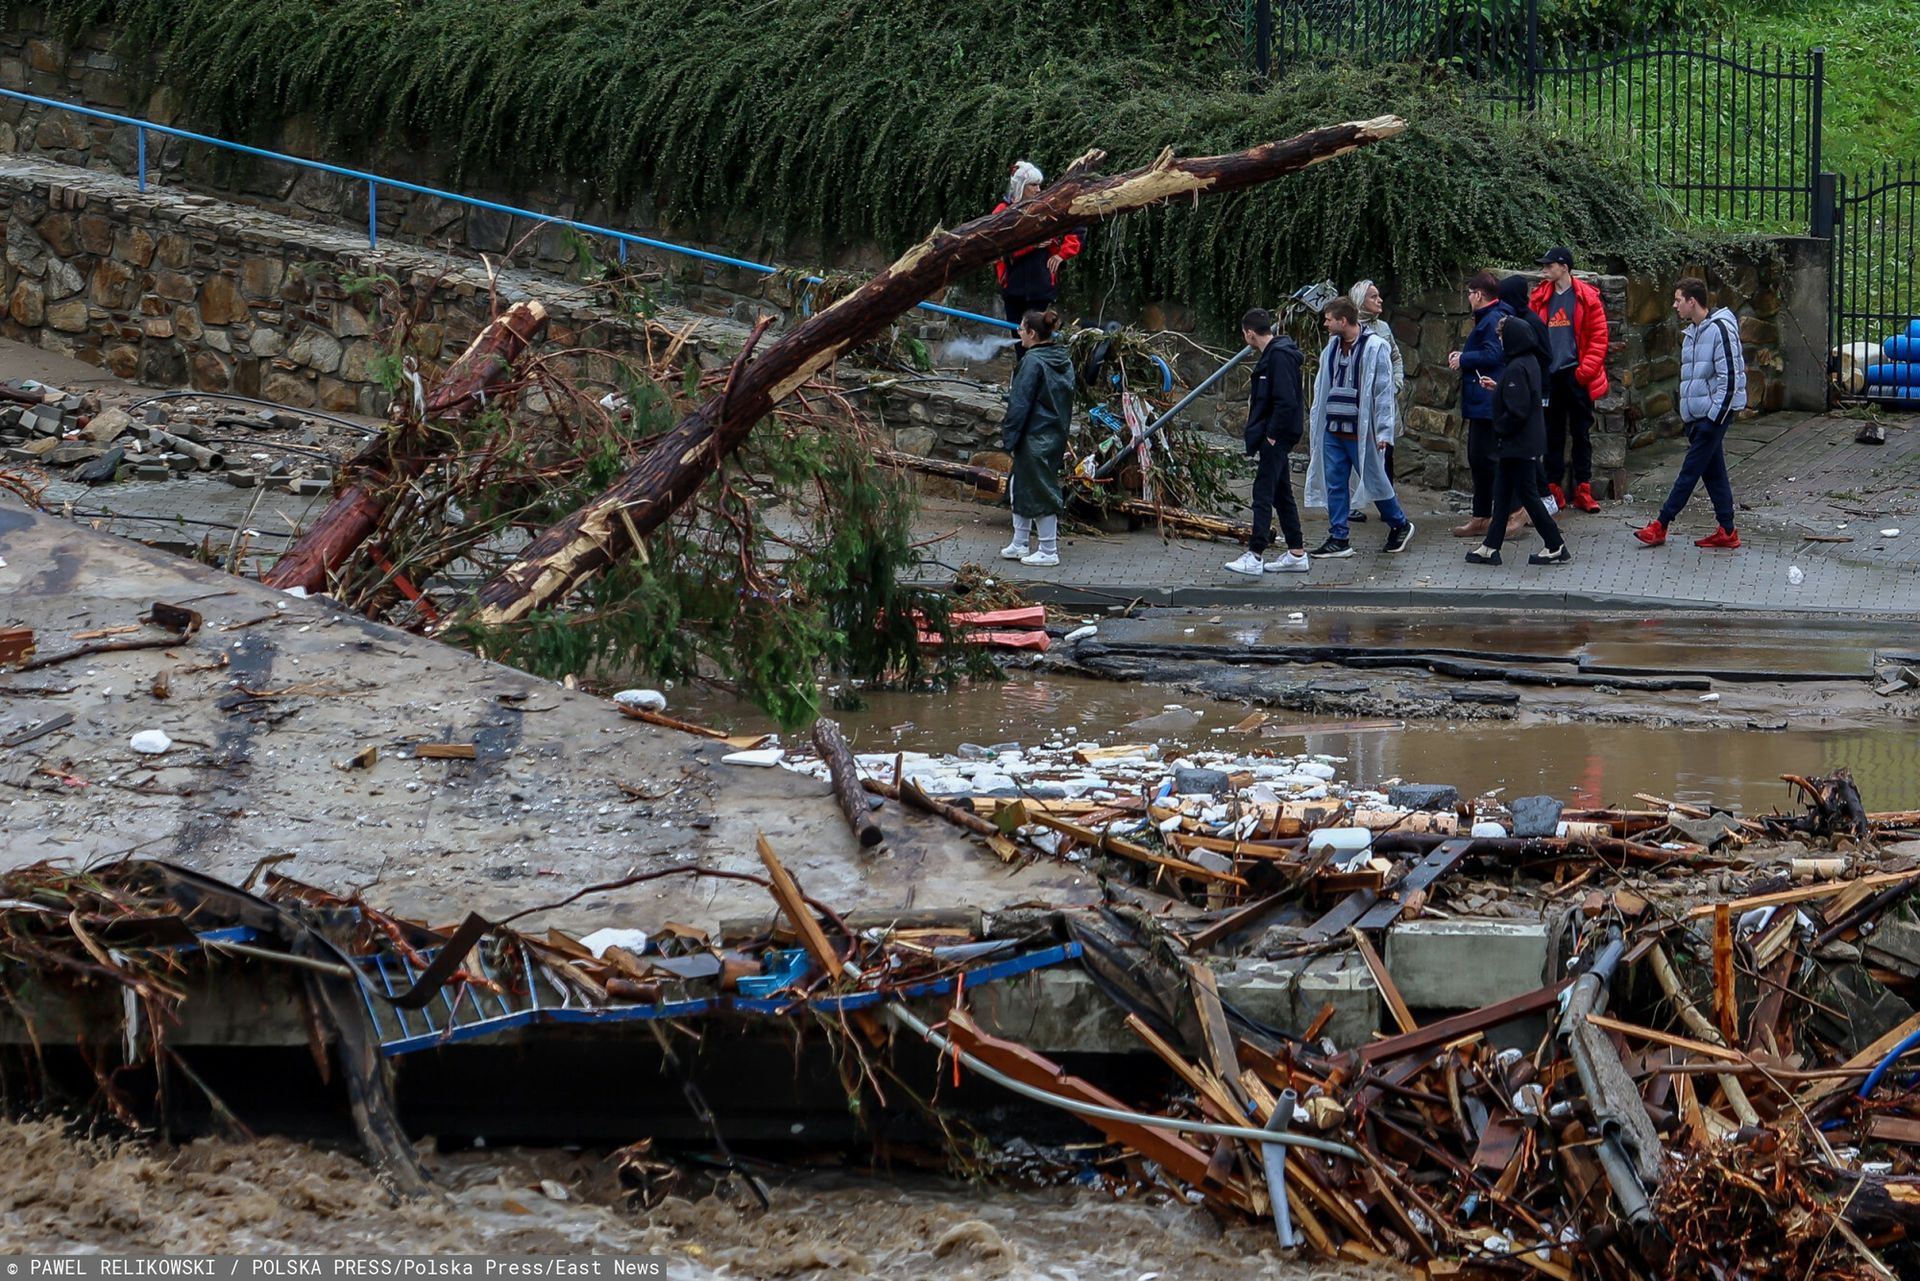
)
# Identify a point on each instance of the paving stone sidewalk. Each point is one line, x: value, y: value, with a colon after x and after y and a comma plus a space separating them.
x: 1793, y: 475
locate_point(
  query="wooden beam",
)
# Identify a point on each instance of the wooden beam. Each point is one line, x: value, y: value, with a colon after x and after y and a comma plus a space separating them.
x: 1805, y: 894
x: 1396, y: 1004
x: 1684, y: 1043
x: 791, y: 901
x: 1435, y: 1035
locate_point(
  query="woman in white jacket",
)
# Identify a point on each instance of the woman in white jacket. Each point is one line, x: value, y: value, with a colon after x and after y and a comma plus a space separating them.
x: 1353, y: 422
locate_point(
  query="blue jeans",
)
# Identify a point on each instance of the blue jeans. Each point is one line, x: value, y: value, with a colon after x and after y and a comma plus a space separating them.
x: 1706, y: 460
x: 1343, y: 459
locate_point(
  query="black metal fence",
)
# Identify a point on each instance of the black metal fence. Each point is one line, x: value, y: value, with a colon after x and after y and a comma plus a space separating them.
x: 1730, y: 130
x: 1876, y: 279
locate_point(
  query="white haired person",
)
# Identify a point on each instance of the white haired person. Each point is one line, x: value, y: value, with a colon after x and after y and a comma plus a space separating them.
x: 1030, y: 278
x: 1371, y: 306
x: 1039, y: 411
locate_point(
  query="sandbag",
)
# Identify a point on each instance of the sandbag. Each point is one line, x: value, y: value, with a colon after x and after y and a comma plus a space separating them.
x: 1851, y: 363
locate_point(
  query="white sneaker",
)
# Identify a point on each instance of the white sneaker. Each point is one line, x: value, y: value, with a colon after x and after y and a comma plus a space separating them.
x: 1042, y: 559
x: 1290, y: 564
x: 1249, y: 563
x: 1013, y: 551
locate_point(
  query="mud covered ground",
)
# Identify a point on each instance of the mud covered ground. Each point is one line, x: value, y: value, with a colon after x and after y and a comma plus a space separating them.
x: 66, y: 1193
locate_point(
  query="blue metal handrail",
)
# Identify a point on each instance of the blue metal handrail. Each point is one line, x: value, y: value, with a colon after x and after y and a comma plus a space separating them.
x: 376, y: 181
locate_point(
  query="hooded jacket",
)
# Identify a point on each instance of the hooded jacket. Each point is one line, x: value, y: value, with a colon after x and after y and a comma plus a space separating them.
x: 1513, y: 292
x: 1713, y: 369
x: 1039, y: 409
x: 1273, y: 399
x: 1482, y: 354
x: 1519, y: 423
x: 1025, y: 274
x: 1589, y: 333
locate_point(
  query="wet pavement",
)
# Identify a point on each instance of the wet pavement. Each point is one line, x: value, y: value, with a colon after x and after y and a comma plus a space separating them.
x: 1795, y: 475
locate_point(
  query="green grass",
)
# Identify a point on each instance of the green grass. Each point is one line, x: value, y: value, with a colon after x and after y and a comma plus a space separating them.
x: 1873, y: 71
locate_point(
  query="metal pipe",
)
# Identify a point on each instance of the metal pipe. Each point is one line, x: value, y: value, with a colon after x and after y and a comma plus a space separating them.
x: 1118, y: 461
x: 286, y: 958
x: 361, y: 175
x: 1274, y: 1157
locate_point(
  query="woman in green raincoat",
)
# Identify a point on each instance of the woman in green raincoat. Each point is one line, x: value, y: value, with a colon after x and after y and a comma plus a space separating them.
x: 1039, y: 407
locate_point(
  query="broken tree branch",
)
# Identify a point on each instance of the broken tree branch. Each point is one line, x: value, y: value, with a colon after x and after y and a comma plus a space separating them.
x: 607, y: 529
x: 845, y: 776
x: 406, y: 451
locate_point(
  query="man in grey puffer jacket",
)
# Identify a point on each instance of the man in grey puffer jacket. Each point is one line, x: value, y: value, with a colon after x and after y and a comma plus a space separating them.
x: 1713, y: 387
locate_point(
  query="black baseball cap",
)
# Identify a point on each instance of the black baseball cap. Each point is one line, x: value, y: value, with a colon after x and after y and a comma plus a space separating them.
x: 1559, y: 253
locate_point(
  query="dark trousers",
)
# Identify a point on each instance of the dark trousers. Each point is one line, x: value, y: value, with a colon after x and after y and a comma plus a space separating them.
x: 1569, y: 415
x: 1480, y: 463
x: 1513, y: 486
x: 1273, y: 487
x: 1706, y: 460
x: 1386, y: 460
x: 1018, y: 306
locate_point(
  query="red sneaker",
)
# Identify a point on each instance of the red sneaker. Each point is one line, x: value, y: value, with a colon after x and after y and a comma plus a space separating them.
x: 1653, y: 534
x: 1583, y: 498
x: 1728, y: 538
x: 1559, y: 496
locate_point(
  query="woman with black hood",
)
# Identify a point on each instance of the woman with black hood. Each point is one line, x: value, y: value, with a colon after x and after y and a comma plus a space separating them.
x: 1519, y: 438
x: 1517, y: 294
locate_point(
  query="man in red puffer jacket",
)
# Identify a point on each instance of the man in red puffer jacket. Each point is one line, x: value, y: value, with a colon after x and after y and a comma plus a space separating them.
x: 1030, y: 278
x: 1576, y: 375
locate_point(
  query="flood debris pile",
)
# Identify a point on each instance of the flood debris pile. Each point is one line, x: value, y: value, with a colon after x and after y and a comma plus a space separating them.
x: 1713, y: 1082
x: 88, y: 441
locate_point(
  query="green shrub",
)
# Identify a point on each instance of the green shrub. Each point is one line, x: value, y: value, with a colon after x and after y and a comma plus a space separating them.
x: 861, y: 120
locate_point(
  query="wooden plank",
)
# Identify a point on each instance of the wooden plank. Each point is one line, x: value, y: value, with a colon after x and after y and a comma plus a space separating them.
x: 1862, y: 1063
x: 443, y: 751
x: 1434, y: 1035
x: 788, y: 895
x: 1726, y: 1006
x: 1321, y: 1018
x: 16, y: 644
x: 1894, y: 1129
x: 1178, y: 1157
x: 52, y: 723
x: 1435, y: 865
x: 1208, y: 1087
x: 1097, y: 755
x: 1220, y: 1045
x: 1805, y: 894
x: 1245, y: 919
x: 1658, y: 1037
x: 1396, y: 1004
x: 1128, y: 850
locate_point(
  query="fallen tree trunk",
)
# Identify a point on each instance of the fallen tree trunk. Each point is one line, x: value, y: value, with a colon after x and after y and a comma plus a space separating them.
x: 608, y: 528
x: 845, y: 776
x: 355, y: 512
x: 985, y: 480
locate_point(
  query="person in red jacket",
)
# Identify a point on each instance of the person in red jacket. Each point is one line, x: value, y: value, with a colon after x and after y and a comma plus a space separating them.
x: 1030, y: 279
x: 1576, y: 374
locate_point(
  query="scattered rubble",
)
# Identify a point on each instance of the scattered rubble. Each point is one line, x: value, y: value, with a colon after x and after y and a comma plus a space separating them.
x: 46, y: 427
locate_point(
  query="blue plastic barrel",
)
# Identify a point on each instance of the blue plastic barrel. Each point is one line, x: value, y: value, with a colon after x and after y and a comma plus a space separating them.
x: 1904, y: 346
x: 1905, y: 373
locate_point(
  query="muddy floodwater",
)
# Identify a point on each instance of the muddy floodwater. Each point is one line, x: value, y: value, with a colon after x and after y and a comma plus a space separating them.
x: 1680, y: 748
x: 66, y: 1194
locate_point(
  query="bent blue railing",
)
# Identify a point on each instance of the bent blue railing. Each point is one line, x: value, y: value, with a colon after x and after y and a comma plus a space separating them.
x: 376, y: 181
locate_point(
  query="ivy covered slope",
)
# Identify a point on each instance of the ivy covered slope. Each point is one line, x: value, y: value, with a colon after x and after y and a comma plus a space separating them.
x: 877, y: 119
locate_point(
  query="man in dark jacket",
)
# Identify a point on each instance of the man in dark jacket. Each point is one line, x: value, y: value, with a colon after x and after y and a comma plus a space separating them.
x: 1519, y: 433
x: 1482, y: 355
x: 1514, y: 292
x: 1273, y: 429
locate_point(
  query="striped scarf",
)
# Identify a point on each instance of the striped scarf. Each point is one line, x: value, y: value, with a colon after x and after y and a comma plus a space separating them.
x: 1343, y: 388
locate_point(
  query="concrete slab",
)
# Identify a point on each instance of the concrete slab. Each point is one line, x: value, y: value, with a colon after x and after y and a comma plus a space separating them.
x: 564, y: 793
x: 1464, y: 964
